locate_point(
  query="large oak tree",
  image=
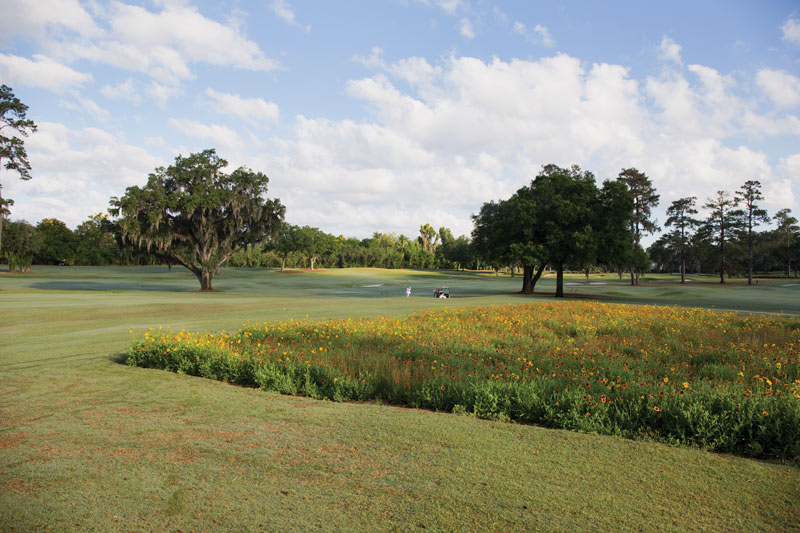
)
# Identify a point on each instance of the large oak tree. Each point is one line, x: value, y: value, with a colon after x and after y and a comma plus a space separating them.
x: 197, y: 214
x: 561, y: 218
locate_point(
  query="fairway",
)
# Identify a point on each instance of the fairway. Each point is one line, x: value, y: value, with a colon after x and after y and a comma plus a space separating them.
x: 89, y: 444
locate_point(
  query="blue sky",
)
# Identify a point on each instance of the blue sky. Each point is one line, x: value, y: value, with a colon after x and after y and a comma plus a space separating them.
x: 384, y: 115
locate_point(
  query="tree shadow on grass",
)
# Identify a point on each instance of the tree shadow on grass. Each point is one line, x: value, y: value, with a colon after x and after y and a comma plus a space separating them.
x: 108, y: 287
x: 118, y: 358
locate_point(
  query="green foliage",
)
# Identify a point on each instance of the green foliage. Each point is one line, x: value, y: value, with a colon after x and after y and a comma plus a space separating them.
x: 12, y: 147
x: 721, y: 226
x: 786, y: 239
x: 57, y: 242
x: 718, y: 381
x: 95, y: 242
x: 196, y: 214
x: 21, y: 241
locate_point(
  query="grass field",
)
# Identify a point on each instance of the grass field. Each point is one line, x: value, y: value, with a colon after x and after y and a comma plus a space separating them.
x: 89, y: 444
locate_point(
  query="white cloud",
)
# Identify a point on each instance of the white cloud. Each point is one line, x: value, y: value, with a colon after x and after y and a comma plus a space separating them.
x: 125, y: 91
x: 468, y: 131
x: 448, y: 6
x: 41, y: 71
x: 466, y: 29
x: 162, y: 44
x: 669, y: 50
x: 781, y: 87
x: 374, y: 60
x: 161, y: 93
x: 42, y: 18
x: 791, y: 165
x: 500, y: 15
x: 414, y: 70
x: 86, y: 105
x: 255, y: 109
x: 539, y: 36
x: 544, y: 34
x: 284, y: 11
x: 75, y: 172
x: 791, y: 30
x: 220, y: 136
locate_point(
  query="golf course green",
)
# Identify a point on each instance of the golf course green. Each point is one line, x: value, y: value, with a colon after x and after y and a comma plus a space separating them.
x: 90, y: 444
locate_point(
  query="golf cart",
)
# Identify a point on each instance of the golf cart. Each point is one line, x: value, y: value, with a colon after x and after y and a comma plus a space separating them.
x: 441, y: 292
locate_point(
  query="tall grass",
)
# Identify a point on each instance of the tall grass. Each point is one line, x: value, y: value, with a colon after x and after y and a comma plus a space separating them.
x: 719, y: 381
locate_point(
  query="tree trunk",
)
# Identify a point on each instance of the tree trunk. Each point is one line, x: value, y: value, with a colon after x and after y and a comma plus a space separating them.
x: 527, y: 278
x: 560, y: 280
x: 683, y: 270
x: 750, y: 259
x: 633, y: 276
x: 205, y: 276
x: 313, y: 260
x: 1, y: 221
x: 283, y: 263
x: 537, y: 276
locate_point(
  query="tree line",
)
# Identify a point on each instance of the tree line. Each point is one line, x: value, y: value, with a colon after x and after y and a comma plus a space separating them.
x: 196, y: 214
x: 563, y: 220
x: 98, y: 242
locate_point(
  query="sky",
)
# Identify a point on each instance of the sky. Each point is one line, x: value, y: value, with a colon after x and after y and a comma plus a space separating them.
x: 383, y: 115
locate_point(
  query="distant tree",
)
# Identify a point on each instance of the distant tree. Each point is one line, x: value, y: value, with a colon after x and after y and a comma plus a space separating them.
x: 721, y: 224
x: 459, y: 253
x: 679, y: 216
x: 428, y: 237
x: 13, y: 156
x: 444, y: 250
x: 611, y: 224
x: 644, y: 200
x: 57, y: 242
x: 287, y: 242
x: 94, y: 241
x: 21, y: 242
x: 196, y: 214
x: 788, y: 238
x: 492, y: 233
x: 565, y: 207
x: 751, y: 216
x: 315, y: 243
x: 506, y: 233
x: 663, y: 253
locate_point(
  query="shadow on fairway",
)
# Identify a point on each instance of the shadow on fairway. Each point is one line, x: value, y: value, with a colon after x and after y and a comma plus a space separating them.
x: 109, y: 287
x: 118, y: 358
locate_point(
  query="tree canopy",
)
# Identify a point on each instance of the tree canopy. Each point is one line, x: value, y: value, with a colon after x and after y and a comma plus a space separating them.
x: 644, y: 200
x: 198, y: 215
x: 561, y: 218
x: 751, y: 215
x: 679, y: 215
x: 722, y: 222
x: 13, y: 126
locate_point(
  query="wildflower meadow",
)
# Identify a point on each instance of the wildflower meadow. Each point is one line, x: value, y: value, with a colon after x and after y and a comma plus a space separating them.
x: 718, y: 381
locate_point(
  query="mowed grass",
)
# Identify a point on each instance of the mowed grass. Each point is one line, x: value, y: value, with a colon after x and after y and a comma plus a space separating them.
x: 89, y: 444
